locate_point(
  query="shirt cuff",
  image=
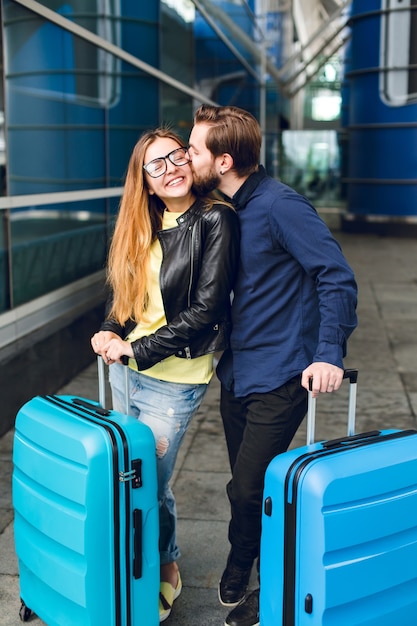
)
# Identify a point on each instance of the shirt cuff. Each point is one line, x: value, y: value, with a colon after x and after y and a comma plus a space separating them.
x: 332, y: 353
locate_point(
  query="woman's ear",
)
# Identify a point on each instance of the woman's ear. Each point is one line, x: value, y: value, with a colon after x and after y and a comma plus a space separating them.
x: 147, y: 187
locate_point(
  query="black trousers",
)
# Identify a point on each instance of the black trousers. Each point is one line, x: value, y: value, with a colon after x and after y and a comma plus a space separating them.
x: 257, y: 428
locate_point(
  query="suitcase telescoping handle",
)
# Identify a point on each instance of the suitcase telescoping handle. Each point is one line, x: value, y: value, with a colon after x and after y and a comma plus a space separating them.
x: 352, y: 374
x: 102, y: 385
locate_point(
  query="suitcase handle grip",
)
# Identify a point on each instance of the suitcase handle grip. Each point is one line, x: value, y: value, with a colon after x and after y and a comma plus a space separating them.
x: 339, y: 443
x: 91, y: 407
x: 137, y: 543
x: 352, y: 375
x: 102, y: 385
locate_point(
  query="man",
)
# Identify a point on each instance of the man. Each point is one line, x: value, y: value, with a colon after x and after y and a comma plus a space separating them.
x: 294, y: 307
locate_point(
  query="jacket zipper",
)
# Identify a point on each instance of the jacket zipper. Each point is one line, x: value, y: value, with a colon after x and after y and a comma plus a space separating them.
x: 190, y: 283
x: 192, y: 228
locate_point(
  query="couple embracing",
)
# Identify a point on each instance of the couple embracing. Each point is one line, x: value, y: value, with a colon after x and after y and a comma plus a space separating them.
x: 253, y: 273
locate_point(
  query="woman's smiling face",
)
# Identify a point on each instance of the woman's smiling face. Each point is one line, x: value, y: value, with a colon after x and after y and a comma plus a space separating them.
x: 173, y: 187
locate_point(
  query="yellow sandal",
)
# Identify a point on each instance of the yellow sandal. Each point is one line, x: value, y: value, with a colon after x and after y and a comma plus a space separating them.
x: 167, y: 595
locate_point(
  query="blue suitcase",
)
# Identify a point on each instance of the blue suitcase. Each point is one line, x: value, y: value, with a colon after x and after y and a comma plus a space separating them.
x: 85, y: 514
x: 339, y: 530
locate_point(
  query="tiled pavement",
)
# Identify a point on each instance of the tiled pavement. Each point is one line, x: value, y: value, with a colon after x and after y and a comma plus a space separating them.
x: 383, y: 348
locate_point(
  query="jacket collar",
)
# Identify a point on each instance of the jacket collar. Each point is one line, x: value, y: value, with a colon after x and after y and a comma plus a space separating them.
x: 242, y: 195
x: 195, y: 210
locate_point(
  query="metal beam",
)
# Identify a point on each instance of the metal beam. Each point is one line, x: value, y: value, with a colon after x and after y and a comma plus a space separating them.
x: 41, y: 199
x: 239, y: 35
x: 225, y: 40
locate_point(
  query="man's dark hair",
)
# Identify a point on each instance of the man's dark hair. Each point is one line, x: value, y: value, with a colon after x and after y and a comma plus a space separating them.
x: 234, y: 131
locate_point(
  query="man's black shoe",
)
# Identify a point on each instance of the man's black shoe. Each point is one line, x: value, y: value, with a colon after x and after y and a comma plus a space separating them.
x: 246, y: 613
x: 233, y: 584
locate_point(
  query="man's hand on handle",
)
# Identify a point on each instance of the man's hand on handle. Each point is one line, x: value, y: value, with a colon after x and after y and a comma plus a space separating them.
x: 326, y: 378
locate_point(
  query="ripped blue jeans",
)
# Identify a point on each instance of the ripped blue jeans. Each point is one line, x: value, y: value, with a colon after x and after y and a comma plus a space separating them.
x: 167, y: 408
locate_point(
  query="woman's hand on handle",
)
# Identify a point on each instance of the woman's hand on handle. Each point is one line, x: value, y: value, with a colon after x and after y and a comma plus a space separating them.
x: 110, y: 347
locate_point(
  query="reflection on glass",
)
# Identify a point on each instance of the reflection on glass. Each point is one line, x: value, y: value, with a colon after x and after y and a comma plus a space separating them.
x: 184, y: 8
x: 51, y: 249
x: 398, y: 58
x: 311, y: 164
x: 177, y: 60
x: 4, y: 278
x: 325, y: 105
x: 61, y: 63
x: 73, y: 114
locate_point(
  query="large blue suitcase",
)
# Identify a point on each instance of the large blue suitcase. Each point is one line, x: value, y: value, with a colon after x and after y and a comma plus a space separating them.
x: 339, y: 530
x: 85, y: 514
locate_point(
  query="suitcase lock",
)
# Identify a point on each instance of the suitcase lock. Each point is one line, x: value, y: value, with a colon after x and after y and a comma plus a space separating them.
x: 135, y: 474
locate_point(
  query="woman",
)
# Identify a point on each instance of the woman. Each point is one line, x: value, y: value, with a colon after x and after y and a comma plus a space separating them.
x: 172, y: 263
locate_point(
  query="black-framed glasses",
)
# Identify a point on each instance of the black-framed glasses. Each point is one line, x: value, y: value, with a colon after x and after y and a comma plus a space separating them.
x: 158, y: 167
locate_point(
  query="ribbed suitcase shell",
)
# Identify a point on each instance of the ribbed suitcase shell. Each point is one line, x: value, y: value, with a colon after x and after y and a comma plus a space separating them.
x: 86, y: 536
x: 339, y: 533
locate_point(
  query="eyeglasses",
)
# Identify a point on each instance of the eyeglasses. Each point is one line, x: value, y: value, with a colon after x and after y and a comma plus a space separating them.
x: 158, y: 167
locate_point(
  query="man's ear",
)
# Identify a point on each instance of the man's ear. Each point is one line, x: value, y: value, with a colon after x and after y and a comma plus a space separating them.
x: 226, y: 163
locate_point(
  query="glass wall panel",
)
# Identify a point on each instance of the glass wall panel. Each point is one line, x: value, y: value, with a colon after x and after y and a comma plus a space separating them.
x: 65, y: 96
x: 218, y: 71
x: 73, y: 114
x: 4, y: 263
x: 51, y: 250
x: 177, y: 60
x: 323, y: 98
x: 310, y: 163
x: 74, y: 111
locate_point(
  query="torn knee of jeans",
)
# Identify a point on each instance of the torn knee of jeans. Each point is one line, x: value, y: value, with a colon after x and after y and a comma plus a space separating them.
x: 162, y: 446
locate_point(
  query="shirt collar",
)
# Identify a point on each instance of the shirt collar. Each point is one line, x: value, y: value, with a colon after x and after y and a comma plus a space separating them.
x: 244, y: 192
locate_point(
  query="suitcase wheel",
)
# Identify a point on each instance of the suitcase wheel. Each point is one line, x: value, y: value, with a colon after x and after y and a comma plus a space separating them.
x: 24, y: 613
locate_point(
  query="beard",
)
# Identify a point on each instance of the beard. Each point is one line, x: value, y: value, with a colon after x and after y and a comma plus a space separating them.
x: 203, y: 185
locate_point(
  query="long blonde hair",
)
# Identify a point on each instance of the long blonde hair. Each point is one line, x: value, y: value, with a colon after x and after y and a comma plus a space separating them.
x: 139, y: 219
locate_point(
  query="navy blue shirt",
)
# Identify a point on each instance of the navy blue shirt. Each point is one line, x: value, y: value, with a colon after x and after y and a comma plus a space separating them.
x: 295, y: 297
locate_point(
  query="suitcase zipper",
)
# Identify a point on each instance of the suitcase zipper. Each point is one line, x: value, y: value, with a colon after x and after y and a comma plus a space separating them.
x: 292, y: 479
x: 135, y: 473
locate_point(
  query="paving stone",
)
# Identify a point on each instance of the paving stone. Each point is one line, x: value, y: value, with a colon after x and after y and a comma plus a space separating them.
x: 383, y: 348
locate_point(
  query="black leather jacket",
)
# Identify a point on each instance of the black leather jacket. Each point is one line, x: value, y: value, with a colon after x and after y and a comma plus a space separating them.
x: 199, y: 265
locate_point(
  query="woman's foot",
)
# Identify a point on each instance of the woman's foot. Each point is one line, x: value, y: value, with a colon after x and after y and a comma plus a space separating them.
x: 169, y: 590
